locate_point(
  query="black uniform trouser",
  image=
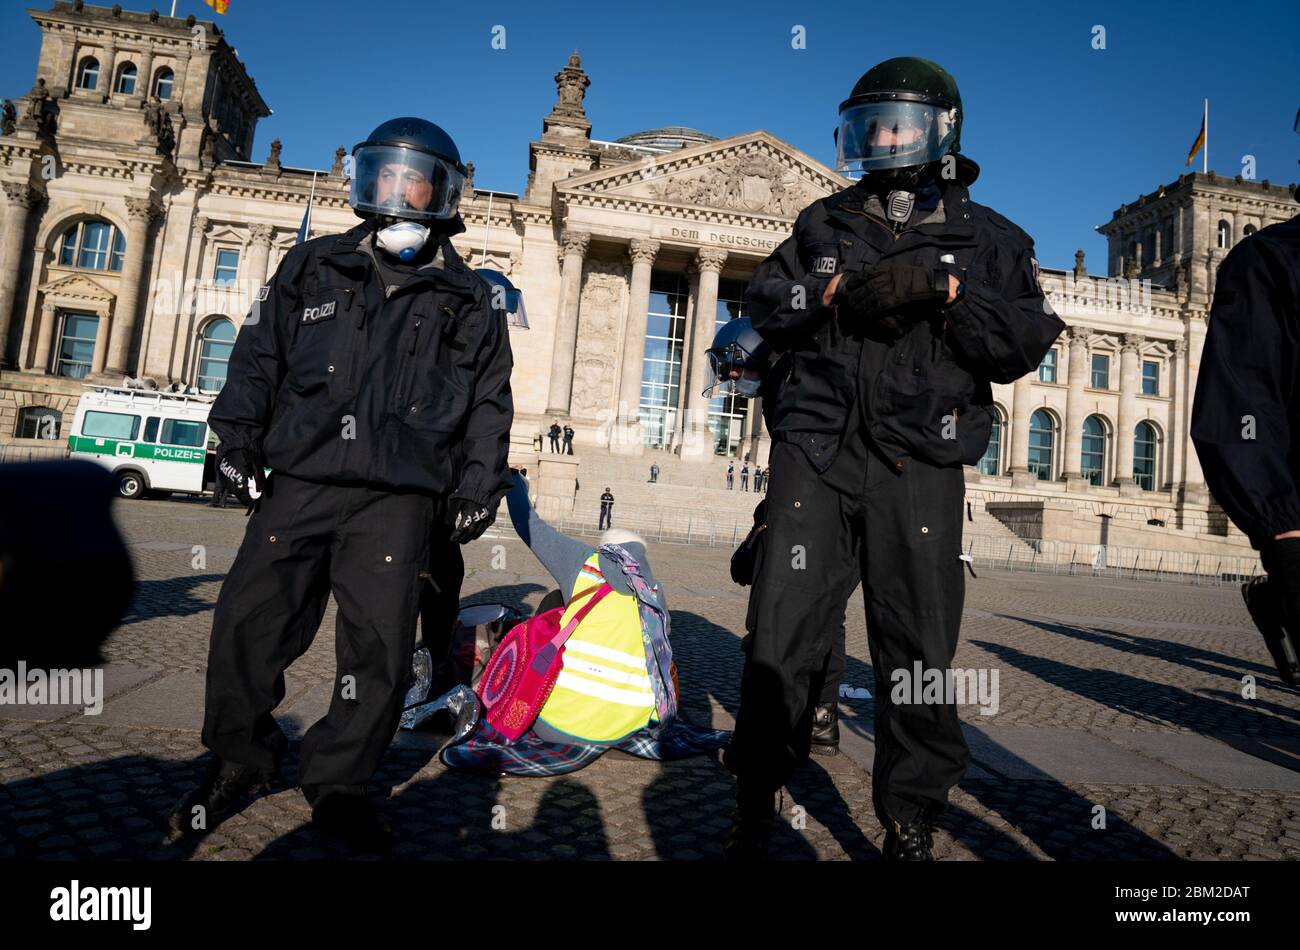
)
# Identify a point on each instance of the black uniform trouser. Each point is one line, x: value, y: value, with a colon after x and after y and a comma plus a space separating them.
x: 440, y: 600
x: 305, y: 540
x: 900, y: 535
x: 555, y: 444
x: 606, y: 517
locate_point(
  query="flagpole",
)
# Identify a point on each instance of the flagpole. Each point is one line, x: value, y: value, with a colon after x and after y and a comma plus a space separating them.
x: 311, y: 196
x: 1205, y: 147
x: 173, y: 7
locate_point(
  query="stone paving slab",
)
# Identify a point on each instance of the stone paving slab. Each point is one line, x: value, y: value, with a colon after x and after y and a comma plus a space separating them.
x: 119, y: 678
x: 1119, y: 698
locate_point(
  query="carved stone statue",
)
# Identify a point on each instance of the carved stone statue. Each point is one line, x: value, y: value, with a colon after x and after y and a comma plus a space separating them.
x: 9, y: 118
x: 1080, y: 270
x: 36, y: 103
x: 571, y: 84
x: 208, y: 147
x: 274, y: 159
x: 337, y: 168
x: 153, y: 116
x: 166, y: 135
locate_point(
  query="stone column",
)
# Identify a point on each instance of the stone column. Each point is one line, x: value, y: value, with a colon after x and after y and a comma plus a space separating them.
x: 178, y: 81
x: 144, y: 84
x: 565, y: 349
x: 709, y: 261
x: 22, y: 199
x: 1021, y: 410
x: 259, y: 258
x: 101, y: 339
x: 140, y: 212
x: 45, y: 339
x: 1072, y: 467
x: 626, y: 435
x: 106, y: 70
x: 1124, y: 425
x: 1195, y: 491
x: 1175, y: 445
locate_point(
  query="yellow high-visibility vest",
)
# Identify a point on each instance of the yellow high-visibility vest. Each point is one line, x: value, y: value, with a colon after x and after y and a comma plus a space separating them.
x: 603, y: 692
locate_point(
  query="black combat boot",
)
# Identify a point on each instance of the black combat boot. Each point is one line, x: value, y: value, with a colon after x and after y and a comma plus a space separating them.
x: 751, y: 827
x: 352, y: 820
x: 224, y: 786
x: 910, y: 842
x: 826, y: 729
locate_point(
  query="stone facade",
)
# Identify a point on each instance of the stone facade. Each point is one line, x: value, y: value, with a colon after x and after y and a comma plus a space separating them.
x: 599, y: 226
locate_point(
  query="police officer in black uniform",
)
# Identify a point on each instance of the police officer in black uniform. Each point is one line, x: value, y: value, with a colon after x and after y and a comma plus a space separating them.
x: 373, y: 379
x: 1243, y: 420
x: 899, y: 300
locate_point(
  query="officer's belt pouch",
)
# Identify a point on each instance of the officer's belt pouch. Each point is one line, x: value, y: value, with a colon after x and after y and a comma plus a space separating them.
x: 820, y: 447
x: 745, y: 557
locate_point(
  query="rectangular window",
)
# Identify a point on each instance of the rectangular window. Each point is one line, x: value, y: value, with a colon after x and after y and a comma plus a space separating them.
x: 94, y: 245
x: 77, y: 345
x: 1047, y: 368
x: 110, y: 425
x: 661, y: 366
x: 227, y: 267
x: 1100, y: 371
x: 1150, y: 378
x: 151, y: 430
x: 180, y: 432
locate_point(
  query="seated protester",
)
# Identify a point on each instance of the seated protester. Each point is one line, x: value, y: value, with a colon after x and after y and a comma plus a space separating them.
x: 605, y: 694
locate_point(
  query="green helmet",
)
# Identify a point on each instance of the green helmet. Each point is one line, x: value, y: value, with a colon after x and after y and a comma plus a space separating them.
x: 903, y: 114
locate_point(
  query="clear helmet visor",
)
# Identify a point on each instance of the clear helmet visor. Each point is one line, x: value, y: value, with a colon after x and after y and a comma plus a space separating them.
x: 733, y: 372
x: 893, y: 134
x: 404, y: 183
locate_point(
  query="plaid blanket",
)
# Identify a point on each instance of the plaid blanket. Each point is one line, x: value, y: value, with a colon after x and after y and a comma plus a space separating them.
x: 488, y: 750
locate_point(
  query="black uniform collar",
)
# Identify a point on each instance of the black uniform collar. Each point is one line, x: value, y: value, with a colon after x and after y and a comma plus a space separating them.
x: 847, y: 210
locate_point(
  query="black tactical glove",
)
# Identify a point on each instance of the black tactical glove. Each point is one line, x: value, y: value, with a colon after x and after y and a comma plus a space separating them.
x: 882, y: 292
x: 1274, y: 604
x: 243, y: 472
x: 468, y: 518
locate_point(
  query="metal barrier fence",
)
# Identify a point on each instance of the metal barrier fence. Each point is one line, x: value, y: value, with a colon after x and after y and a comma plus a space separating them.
x: 704, y: 527
x: 1110, y: 560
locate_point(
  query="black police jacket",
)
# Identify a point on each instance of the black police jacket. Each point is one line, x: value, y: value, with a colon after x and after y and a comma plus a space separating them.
x: 1246, y: 412
x: 927, y: 393
x: 338, y: 382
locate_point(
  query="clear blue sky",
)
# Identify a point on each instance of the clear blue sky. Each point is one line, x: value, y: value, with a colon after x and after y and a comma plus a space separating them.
x: 1064, y: 133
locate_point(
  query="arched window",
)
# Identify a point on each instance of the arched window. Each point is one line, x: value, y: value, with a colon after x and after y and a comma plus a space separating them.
x: 1144, y: 455
x: 1248, y: 230
x: 38, y: 422
x: 126, y: 77
x: 1093, y: 459
x: 217, y: 341
x: 162, y: 84
x: 94, y: 244
x: 991, y: 463
x: 1041, y: 437
x: 88, y: 73
x: 1225, y: 234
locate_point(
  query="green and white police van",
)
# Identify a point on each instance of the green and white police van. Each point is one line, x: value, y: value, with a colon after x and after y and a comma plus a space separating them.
x: 156, y: 443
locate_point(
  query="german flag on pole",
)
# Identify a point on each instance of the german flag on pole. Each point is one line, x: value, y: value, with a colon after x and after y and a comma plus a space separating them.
x: 1200, y: 136
x: 221, y: 6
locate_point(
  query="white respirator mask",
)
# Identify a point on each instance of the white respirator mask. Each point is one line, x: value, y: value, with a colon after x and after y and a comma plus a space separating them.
x: 402, y: 240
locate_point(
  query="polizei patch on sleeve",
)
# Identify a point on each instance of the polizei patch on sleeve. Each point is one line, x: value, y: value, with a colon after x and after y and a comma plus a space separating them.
x: 319, y: 313
x: 263, y: 292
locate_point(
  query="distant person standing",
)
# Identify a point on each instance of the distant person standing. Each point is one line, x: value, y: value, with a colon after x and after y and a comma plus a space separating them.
x: 744, y: 477
x: 654, y: 472
x: 731, y: 474
x: 758, y: 479
x: 568, y: 439
x: 554, y: 433
x: 606, y: 510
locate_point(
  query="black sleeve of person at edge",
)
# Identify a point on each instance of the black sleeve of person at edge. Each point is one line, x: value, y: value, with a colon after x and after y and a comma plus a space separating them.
x: 1245, y: 408
x: 485, y: 475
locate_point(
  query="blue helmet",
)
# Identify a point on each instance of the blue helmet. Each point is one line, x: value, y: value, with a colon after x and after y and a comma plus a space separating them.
x: 738, y: 359
x: 408, y: 168
x: 503, y: 295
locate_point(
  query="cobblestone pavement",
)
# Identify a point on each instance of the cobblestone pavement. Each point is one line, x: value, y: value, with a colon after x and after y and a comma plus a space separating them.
x: 1122, y: 731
